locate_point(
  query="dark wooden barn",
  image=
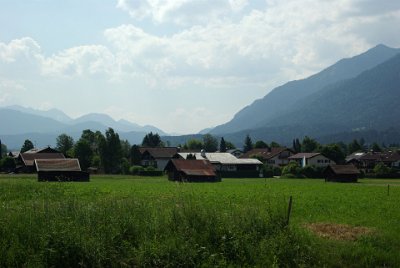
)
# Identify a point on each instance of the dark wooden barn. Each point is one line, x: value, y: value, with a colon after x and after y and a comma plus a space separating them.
x: 26, y: 161
x: 341, y: 173
x: 60, y: 170
x: 191, y: 171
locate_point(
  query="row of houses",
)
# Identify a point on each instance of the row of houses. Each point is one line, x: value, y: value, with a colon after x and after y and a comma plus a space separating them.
x: 366, y: 161
x: 172, y: 160
x: 50, y: 165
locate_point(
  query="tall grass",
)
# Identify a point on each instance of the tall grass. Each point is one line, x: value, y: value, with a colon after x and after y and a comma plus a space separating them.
x: 143, y: 222
x: 56, y: 225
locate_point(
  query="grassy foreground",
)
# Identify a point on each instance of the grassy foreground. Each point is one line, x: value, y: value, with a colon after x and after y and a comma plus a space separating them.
x: 126, y: 221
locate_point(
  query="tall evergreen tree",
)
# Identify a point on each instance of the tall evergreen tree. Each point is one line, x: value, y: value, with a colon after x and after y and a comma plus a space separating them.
x: 135, y: 155
x: 152, y: 140
x: 248, y: 144
x: 110, y: 152
x: 222, y: 145
x: 83, y: 151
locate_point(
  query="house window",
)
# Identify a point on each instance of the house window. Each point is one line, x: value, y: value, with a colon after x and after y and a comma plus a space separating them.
x: 271, y: 161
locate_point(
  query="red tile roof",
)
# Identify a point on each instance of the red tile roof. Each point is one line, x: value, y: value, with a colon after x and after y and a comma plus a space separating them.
x: 57, y: 165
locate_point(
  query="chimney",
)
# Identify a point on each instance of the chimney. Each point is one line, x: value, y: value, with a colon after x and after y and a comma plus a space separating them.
x: 203, y: 153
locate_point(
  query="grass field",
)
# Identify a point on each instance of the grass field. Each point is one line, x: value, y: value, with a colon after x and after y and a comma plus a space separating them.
x: 116, y: 221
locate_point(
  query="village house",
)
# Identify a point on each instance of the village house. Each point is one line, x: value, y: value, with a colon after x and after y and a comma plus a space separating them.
x: 341, y: 173
x: 227, y: 165
x: 156, y: 157
x: 311, y: 159
x: 368, y: 160
x: 25, y: 161
x: 275, y: 156
x: 191, y: 171
x: 60, y: 170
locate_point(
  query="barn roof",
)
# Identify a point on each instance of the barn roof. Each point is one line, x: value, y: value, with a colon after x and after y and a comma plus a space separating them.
x: 29, y: 158
x: 57, y: 164
x: 223, y: 158
x: 192, y: 167
x: 159, y: 152
x: 265, y: 153
x: 344, y: 169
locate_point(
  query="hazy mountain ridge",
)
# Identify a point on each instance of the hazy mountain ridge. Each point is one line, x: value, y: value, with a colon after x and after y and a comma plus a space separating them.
x: 365, y: 105
x: 31, y: 120
x: 280, y: 99
x: 18, y: 124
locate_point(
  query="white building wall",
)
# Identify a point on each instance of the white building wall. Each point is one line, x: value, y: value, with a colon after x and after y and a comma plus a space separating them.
x: 320, y: 161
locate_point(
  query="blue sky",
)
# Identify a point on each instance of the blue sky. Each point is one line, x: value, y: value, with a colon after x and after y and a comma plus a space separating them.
x: 179, y: 65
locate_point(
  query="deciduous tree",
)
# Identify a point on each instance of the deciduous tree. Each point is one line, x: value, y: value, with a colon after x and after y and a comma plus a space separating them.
x: 210, y: 143
x: 64, y: 143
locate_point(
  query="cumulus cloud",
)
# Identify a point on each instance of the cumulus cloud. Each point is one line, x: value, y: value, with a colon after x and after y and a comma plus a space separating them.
x: 79, y: 61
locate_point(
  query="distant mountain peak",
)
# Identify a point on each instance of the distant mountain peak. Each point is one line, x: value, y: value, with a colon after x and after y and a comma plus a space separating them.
x: 280, y: 100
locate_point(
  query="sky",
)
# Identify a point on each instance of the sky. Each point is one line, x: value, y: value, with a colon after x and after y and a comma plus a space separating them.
x: 180, y: 65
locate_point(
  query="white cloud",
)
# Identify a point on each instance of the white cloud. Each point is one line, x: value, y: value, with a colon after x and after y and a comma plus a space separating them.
x: 80, y: 61
x: 26, y: 48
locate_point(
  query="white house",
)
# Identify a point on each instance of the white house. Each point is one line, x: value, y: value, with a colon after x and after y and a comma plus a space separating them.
x: 312, y: 159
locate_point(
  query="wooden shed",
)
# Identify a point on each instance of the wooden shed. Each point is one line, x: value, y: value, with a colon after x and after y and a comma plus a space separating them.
x: 191, y: 171
x: 60, y: 170
x: 341, y: 173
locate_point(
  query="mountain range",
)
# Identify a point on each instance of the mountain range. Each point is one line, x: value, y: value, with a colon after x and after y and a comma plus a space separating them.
x: 353, y: 95
x: 354, y: 98
x: 43, y: 127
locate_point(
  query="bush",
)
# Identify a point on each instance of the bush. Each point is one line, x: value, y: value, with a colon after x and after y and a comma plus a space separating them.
x: 135, y: 170
x: 125, y: 168
x: 277, y: 171
x: 268, y: 171
x: 7, y: 164
x: 292, y: 170
x: 312, y: 171
x: 382, y: 170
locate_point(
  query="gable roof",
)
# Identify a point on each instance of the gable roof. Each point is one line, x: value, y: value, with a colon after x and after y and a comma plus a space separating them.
x: 159, y: 152
x: 29, y: 158
x: 41, y: 151
x: 344, y: 169
x: 57, y: 164
x: 223, y: 158
x: 304, y: 155
x: 265, y: 153
x: 388, y: 156
x: 192, y: 167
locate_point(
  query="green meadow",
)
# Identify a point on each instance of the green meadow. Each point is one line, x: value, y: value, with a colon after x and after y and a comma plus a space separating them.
x: 125, y: 221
